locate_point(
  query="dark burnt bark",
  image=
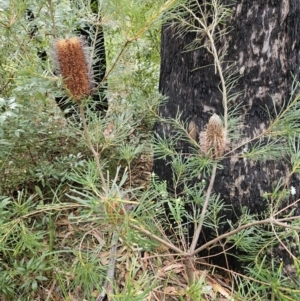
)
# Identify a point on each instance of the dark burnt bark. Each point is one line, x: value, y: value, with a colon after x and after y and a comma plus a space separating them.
x: 264, y: 42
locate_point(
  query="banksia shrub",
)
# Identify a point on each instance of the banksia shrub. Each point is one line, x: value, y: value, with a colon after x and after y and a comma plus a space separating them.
x: 72, y: 62
x: 213, y: 139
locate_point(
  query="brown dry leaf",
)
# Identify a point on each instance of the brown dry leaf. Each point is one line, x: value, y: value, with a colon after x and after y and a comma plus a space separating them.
x: 97, y: 235
x: 221, y: 286
x: 162, y: 249
x: 104, y: 257
x: 65, y: 236
x: 122, y: 274
x: 167, y: 262
x: 170, y: 290
x: 192, y: 130
x: 221, y: 290
x: 221, y: 279
x: 72, y: 298
x: 145, y: 261
x: 65, y: 222
x: 176, y: 268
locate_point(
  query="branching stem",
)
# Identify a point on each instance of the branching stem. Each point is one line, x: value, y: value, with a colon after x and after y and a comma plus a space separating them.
x: 209, y: 31
x: 158, y: 239
x: 146, y: 26
x: 268, y: 221
x: 90, y: 145
x: 204, y: 209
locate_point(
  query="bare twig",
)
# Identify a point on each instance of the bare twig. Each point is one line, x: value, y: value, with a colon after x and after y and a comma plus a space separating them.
x: 282, y: 244
x: 112, y: 67
x: 209, y: 30
x: 51, y: 290
x: 108, y: 285
x: 268, y: 221
x: 204, y: 209
x: 158, y: 239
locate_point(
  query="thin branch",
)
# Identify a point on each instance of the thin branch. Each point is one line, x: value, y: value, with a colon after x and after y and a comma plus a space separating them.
x: 283, y: 225
x: 90, y: 145
x: 158, y: 239
x: 204, y: 209
x: 282, y: 244
x: 209, y: 31
x: 51, y: 10
x: 112, y: 67
x: 270, y: 220
x: 235, y: 274
x: 161, y: 11
x: 18, y: 42
x: 50, y: 291
x: 108, y: 285
x: 268, y: 131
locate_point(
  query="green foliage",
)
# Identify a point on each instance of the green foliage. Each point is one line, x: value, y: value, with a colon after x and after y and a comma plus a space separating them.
x: 279, y: 286
x: 48, y: 177
x: 64, y: 191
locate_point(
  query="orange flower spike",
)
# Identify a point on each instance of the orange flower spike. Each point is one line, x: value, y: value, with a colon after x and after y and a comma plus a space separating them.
x: 72, y: 63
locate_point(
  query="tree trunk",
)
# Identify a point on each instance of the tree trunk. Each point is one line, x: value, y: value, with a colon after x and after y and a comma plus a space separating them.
x: 264, y: 44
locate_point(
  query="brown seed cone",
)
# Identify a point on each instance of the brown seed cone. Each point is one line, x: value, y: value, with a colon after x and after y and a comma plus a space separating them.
x: 72, y: 63
x: 213, y: 140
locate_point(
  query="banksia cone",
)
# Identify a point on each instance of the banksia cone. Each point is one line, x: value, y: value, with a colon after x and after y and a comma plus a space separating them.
x: 213, y: 140
x: 72, y: 62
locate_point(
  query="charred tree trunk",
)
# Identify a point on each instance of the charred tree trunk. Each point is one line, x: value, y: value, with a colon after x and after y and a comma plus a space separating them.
x: 265, y: 46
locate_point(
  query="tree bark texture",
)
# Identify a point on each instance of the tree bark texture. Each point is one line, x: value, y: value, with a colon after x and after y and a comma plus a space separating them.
x: 265, y: 45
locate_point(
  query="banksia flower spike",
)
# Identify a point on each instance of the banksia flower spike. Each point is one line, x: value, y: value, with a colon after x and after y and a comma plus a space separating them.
x: 213, y: 140
x: 72, y: 62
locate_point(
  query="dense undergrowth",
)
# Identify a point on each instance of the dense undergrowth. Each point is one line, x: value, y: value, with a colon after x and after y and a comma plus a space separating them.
x: 59, y: 213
